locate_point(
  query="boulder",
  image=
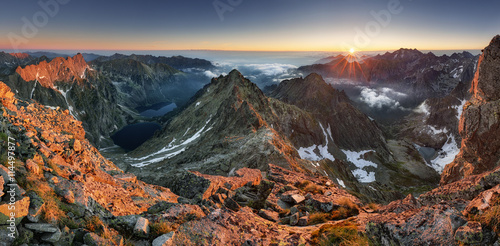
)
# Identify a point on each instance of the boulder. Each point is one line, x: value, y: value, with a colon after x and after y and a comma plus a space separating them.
x: 269, y: 215
x: 92, y: 239
x: 2, y: 182
x: 163, y: 240
x: 470, y: 233
x: 67, y: 238
x: 232, y: 204
x: 294, y: 219
x: 77, y: 146
x: 21, y: 210
x: 125, y: 223
x: 141, y: 227
x: 303, y: 221
x: 35, y: 207
x: 33, y: 167
x: 42, y: 227
x: 4, y: 173
x: 66, y: 194
x: 4, y: 235
x: 292, y: 197
x: 52, y: 237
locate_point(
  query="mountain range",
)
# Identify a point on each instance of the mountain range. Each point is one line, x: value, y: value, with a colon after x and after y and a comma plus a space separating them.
x: 232, y: 165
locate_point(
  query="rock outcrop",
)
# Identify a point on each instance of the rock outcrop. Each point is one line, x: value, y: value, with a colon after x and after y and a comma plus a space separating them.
x: 480, y: 122
x: 59, y: 69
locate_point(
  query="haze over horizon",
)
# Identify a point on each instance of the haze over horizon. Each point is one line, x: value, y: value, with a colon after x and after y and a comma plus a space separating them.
x: 244, y: 25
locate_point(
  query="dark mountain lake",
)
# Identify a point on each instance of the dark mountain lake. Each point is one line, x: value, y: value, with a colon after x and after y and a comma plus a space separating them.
x: 158, y: 109
x: 132, y: 136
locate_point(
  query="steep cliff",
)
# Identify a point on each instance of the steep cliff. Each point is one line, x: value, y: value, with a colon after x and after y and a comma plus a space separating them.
x: 480, y: 122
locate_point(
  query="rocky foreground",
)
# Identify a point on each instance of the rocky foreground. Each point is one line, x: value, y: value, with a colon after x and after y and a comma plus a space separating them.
x: 57, y: 189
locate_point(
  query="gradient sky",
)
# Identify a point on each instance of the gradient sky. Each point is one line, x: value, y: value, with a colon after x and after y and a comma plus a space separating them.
x: 299, y: 25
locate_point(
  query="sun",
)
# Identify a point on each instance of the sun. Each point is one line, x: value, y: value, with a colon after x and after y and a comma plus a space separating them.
x: 352, y: 50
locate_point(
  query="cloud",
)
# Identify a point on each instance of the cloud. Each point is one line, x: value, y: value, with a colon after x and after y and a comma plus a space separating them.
x: 381, y: 98
x: 271, y: 69
x: 210, y: 74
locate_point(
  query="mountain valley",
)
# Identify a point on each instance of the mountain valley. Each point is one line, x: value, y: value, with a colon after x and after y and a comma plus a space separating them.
x: 299, y: 164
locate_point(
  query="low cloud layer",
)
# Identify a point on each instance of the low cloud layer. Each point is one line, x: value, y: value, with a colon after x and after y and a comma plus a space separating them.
x: 271, y: 69
x: 261, y: 74
x: 381, y: 97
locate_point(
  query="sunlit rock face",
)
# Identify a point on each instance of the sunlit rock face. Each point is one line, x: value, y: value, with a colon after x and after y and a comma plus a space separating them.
x: 480, y: 122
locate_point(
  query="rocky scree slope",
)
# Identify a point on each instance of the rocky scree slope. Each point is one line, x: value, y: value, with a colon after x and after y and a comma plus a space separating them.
x: 68, y: 194
x: 63, y: 186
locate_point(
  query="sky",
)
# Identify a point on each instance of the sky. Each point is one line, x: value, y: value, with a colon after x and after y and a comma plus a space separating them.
x: 263, y: 25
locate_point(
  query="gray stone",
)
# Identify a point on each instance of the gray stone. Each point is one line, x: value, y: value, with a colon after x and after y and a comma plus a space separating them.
x: 294, y: 219
x: 470, y: 233
x: 141, y: 228
x: 292, y: 197
x: 52, y: 237
x: 6, y: 240
x: 294, y: 210
x: 159, y: 207
x: 4, y: 172
x: 68, y: 195
x: 163, y: 239
x: 285, y: 220
x: 303, y: 221
x: 92, y: 239
x: 320, y: 204
x: 20, y: 192
x: 126, y: 222
x: 232, y: 204
x: 41, y: 227
x: 283, y: 204
x: 35, y: 208
x: 67, y: 238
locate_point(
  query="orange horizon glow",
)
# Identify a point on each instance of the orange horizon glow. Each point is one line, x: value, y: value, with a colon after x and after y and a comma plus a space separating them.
x: 107, y: 44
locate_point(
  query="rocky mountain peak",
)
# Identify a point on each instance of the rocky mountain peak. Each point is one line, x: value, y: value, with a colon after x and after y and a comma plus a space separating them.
x: 238, y: 86
x: 479, y: 124
x: 20, y: 55
x: 58, y: 70
x: 486, y: 83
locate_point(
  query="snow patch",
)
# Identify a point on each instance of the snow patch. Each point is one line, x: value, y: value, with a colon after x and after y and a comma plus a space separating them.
x: 460, y: 108
x: 446, y: 155
x: 362, y: 175
x: 341, y: 182
x: 317, y: 152
x: 423, y: 108
x: 64, y: 93
x: 436, y: 131
x: 33, y: 91
x: 166, y: 152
